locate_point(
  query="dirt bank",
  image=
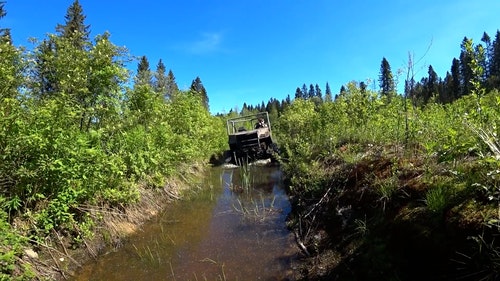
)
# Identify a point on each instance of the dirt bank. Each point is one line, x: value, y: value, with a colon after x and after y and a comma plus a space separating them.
x: 387, y: 214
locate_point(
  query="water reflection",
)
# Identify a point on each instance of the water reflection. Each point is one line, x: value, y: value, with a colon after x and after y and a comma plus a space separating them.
x: 226, y: 232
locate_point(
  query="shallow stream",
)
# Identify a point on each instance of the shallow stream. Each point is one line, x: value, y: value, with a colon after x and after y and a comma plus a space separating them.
x: 232, y: 229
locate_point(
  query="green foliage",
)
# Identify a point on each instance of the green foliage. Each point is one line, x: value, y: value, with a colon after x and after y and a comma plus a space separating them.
x: 11, y: 247
x: 72, y: 133
x: 436, y: 200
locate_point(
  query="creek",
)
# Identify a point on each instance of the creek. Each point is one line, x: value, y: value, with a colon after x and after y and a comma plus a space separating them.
x: 233, y: 228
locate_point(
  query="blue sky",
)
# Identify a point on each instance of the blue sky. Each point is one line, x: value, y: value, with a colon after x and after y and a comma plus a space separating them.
x: 251, y: 51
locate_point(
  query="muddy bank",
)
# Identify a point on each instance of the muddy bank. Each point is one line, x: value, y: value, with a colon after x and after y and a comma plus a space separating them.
x: 393, y: 215
x: 60, y: 254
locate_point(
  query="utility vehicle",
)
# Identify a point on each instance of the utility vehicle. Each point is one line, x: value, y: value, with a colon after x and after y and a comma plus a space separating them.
x: 249, y: 140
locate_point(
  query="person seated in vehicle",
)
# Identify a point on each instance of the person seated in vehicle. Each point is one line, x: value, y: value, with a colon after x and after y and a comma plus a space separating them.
x: 260, y: 124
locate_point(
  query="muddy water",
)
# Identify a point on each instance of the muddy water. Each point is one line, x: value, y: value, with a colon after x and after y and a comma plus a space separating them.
x: 225, y: 232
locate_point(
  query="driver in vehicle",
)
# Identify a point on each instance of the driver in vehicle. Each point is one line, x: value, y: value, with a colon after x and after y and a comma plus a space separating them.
x: 260, y: 124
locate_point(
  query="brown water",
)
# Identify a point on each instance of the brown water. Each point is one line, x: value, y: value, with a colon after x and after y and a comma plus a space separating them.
x: 224, y: 232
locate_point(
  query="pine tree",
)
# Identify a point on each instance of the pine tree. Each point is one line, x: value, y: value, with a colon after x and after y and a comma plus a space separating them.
x: 304, y: 91
x: 144, y: 75
x: 494, y: 71
x: 447, y: 91
x: 299, y: 94
x: 342, y: 91
x: 160, y: 79
x: 488, y: 55
x: 386, y: 80
x: 198, y: 88
x: 431, y: 85
x: 456, y: 80
x: 317, y: 90
x: 172, y: 88
x: 311, y: 93
x: 328, y: 93
x: 362, y: 87
x: 74, y: 28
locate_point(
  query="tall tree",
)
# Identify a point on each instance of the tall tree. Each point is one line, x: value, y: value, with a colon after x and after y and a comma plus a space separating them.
x: 488, y: 55
x: 74, y: 28
x: 143, y: 75
x: 328, y: 93
x: 298, y: 93
x: 172, y: 87
x: 304, y: 91
x: 198, y: 88
x: 447, y: 91
x: 466, y: 58
x: 456, y: 80
x: 432, y: 84
x: 494, y: 71
x: 160, y: 79
x: 362, y: 87
x: 312, y: 92
x: 317, y: 90
x: 386, y: 80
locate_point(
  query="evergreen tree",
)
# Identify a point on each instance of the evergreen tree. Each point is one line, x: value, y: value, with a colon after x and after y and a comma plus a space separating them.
x: 164, y: 84
x: 317, y: 90
x: 328, y: 93
x: 172, y: 88
x: 342, y: 91
x: 456, y: 83
x: 447, y: 89
x: 299, y: 94
x: 304, y: 91
x: 362, y: 87
x: 311, y: 93
x: 144, y: 75
x: 198, y: 88
x: 494, y: 71
x: 44, y: 74
x: 431, y: 85
x: 74, y: 28
x: 488, y: 55
x: 386, y: 80
x: 160, y: 79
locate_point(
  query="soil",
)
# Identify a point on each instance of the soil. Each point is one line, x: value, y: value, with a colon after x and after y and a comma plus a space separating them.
x: 353, y: 230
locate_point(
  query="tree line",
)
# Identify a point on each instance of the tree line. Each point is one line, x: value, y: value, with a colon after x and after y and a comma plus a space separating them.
x: 476, y: 64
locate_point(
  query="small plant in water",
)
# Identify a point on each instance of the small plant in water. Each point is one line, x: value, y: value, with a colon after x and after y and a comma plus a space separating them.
x: 256, y: 211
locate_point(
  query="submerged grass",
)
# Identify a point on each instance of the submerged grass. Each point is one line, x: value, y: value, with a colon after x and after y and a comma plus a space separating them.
x: 256, y: 210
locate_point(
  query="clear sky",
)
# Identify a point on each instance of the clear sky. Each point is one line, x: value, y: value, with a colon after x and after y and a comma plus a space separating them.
x: 253, y: 50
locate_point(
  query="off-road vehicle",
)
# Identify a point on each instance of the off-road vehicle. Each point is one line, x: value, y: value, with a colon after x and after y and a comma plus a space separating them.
x: 250, y: 138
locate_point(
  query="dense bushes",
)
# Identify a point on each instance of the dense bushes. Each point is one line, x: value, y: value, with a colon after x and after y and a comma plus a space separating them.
x: 363, y: 162
x: 72, y: 133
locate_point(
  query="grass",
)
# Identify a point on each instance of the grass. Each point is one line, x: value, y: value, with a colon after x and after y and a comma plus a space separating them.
x: 386, y: 188
x: 436, y: 200
x: 257, y: 210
